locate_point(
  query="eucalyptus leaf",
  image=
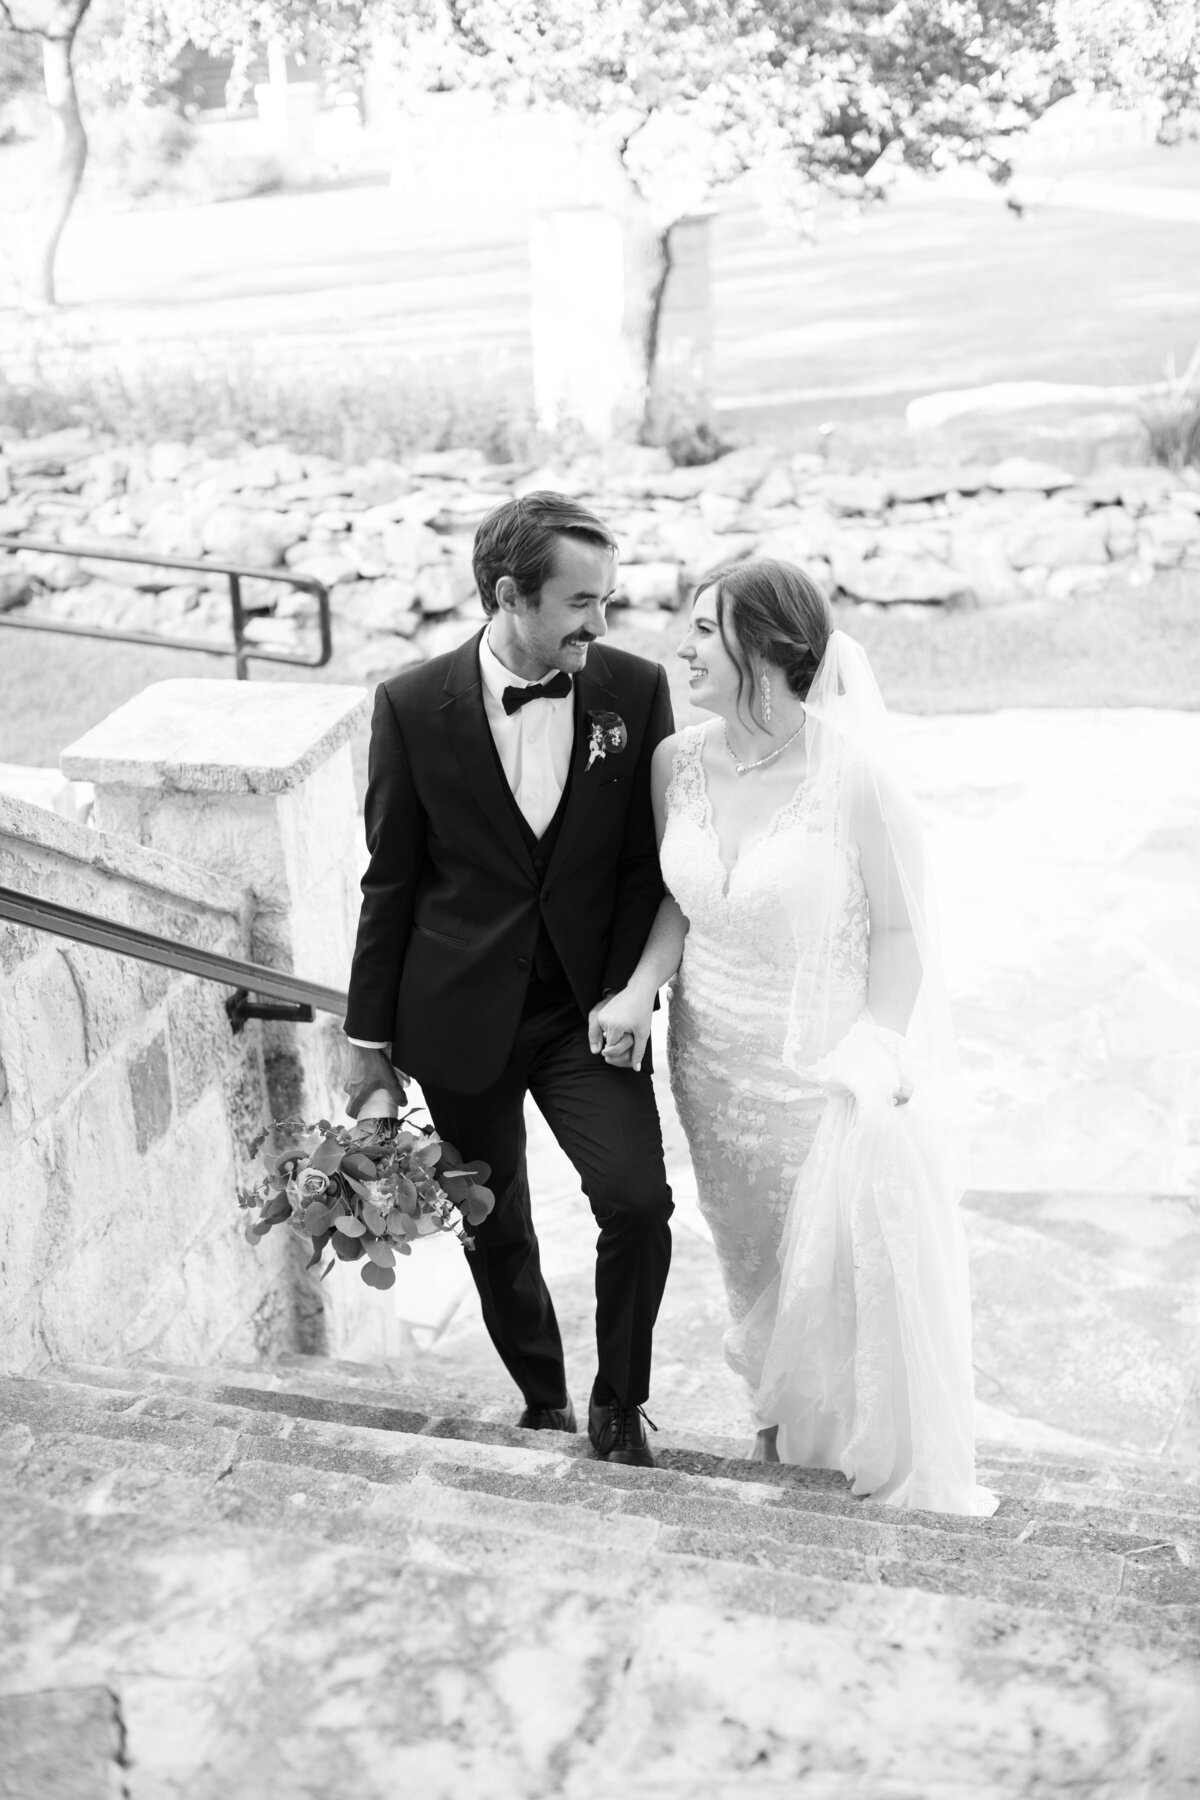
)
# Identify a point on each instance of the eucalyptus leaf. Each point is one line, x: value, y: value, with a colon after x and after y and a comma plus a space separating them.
x: 349, y: 1226
x: 380, y: 1253
x: 327, y: 1155
x: 376, y: 1277
x: 373, y: 1219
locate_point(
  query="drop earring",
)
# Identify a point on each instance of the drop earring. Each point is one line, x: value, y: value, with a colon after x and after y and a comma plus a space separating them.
x: 764, y: 695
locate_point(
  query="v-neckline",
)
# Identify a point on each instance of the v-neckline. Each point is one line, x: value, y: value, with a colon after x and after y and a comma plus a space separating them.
x: 729, y: 870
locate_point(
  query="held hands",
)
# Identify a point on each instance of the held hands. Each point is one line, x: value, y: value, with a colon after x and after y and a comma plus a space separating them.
x: 618, y: 1029
x: 368, y: 1071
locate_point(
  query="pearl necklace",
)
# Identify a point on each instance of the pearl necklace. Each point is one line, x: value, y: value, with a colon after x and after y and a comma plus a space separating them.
x: 741, y: 768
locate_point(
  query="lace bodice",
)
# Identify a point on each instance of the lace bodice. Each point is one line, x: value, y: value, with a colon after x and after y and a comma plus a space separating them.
x: 746, y: 926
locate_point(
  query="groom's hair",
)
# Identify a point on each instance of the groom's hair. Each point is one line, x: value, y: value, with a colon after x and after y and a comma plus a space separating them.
x: 773, y: 613
x: 519, y: 538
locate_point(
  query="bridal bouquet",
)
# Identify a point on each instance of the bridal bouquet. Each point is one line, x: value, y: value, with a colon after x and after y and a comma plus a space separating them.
x: 366, y: 1191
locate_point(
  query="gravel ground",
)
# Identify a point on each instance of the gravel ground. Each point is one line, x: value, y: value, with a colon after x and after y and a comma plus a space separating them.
x: 1120, y: 647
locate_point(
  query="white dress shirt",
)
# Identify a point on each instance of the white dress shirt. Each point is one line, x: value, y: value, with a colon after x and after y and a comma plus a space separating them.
x: 534, y: 745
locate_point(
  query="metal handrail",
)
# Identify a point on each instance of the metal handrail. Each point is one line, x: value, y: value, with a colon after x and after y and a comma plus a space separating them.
x: 294, y: 997
x: 235, y: 573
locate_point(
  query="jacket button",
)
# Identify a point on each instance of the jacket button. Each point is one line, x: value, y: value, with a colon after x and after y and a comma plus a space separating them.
x: 539, y: 863
x: 522, y: 962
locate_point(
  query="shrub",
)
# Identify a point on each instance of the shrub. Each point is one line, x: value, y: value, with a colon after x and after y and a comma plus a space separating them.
x: 347, y: 412
x: 1172, y: 428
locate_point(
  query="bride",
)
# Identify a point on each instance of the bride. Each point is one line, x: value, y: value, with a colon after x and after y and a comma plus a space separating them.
x: 811, y: 1053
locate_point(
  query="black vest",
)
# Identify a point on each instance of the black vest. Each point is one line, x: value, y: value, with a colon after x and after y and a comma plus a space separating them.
x: 548, y: 984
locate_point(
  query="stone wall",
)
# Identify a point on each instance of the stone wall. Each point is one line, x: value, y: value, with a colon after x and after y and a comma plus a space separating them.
x: 393, y: 541
x: 126, y: 1103
x: 224, y: 818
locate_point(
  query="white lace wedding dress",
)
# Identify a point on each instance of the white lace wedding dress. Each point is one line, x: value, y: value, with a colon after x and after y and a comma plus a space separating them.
x: 848, y: 1292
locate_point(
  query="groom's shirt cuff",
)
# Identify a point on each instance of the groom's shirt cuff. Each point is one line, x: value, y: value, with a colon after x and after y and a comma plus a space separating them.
x: 369, y: 1044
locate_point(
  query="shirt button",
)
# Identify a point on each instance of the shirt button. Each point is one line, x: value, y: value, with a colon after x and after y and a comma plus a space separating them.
x: 522, y: 962
x: 539, y: 863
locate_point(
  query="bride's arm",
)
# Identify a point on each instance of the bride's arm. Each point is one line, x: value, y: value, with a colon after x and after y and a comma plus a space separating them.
x: 630, y: 1010
x: 895, y: 972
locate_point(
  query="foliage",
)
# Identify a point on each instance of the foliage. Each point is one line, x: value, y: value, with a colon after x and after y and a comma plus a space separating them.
x: 696, y: 92
x: 366, y: 1192
x: 1137, y: 50
x: 345, y: 411
x: 1172, y: 428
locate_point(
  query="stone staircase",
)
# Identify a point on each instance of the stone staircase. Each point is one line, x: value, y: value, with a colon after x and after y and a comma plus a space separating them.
x: 309, y: 1580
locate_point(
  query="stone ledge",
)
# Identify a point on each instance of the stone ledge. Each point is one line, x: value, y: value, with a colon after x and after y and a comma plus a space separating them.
x: 109, y: 853
x: 218, y: 737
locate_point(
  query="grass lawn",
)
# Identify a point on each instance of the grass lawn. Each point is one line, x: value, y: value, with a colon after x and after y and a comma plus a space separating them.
x: 1121, y: 647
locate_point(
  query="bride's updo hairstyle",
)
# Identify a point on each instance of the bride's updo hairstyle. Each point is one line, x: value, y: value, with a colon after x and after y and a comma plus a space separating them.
x: 770, y: 613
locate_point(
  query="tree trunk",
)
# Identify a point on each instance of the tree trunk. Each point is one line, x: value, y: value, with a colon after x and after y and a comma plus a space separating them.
x: 70, y: 156
x: 653, y: 331
x: 668, y: 325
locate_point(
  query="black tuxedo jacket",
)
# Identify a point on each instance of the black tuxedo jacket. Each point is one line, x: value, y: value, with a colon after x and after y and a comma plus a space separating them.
x: 452, y: 902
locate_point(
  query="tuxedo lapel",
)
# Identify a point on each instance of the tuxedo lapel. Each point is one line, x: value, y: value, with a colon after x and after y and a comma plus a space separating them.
x: 471, y: 735
x: 593, y: 693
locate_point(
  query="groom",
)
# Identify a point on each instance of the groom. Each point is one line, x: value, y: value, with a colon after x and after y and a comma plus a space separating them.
x: 512, y: 882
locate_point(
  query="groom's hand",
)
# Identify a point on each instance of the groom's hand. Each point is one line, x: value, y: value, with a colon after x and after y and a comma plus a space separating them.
x: 368, y: 1071
x: 618, y: 1030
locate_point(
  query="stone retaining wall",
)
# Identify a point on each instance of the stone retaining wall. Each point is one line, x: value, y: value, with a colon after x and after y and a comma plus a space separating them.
x: 392, y: 541
x: 224, y: 818
x: 126, y: 1103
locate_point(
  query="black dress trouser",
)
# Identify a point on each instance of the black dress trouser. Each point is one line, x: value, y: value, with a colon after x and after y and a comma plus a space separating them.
x: 606, y: 1120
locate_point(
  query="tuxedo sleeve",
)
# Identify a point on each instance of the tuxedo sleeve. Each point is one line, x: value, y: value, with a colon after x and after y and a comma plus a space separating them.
x: 639, y: 878
x: 395, y: 823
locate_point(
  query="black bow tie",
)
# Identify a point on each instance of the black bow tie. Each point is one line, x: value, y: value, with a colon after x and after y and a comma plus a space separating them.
x: 555, y: 689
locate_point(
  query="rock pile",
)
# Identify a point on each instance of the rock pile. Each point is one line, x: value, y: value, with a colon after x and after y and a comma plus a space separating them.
x: 392, y: 541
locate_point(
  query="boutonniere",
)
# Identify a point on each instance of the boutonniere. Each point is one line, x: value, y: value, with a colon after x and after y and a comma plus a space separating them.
x: 607, y: 735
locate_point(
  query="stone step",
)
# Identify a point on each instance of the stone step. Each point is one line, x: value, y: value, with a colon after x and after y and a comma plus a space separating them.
x: 219, y: 1588
x: 1140, y: 1572
x: 1144, y: 1493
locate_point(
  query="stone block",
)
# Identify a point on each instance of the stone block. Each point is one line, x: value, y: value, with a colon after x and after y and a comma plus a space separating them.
x: 52, y: 570
x: 720, y: 512
x: 441, y: 588
x: 112, y: 992
x: 776, y: 488
x: 1021, y: 474
x: 16, y: 585
x: 1075, y: 578
x: 62, y: 1743
x: 409, y: 546
x: 810, y: 533
x: 234, y: 534
x: 650, y: 584
x: 328, y: 567
x: 1056, y: 540
x: 388, y: 605
x: 43, y: 1040
x: 738, y: 473
x: 909, y: 485
x: 889, y: 578
x: 699, y: 550
x: 847, y: 495
x: 1164, y: 538
x: 150, y: 1092
x: 172, y: 531
x: 218, y: 737
x: 201, y: 1040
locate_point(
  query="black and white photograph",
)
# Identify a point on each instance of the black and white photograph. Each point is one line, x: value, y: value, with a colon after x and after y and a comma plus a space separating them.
x: 600, y: 900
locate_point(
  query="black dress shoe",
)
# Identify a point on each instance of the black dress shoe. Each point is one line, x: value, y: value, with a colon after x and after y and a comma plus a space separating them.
x: 548, y: 1418
x: 618, y: 1433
